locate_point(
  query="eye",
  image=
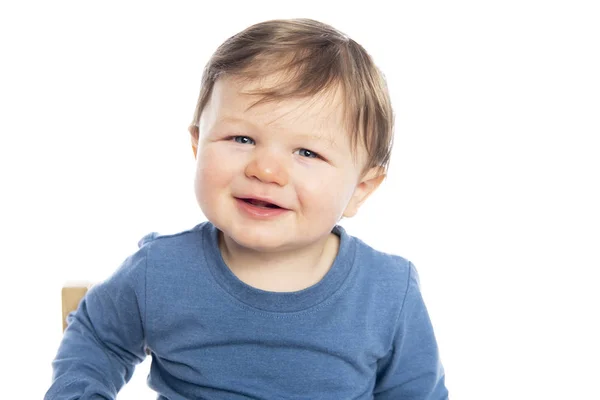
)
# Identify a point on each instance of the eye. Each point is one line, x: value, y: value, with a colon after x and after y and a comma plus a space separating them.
x: 308, y: 153
x: 243, y: 140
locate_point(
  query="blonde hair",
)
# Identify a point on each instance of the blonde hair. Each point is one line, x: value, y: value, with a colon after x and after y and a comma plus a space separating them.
x: 315, y: 57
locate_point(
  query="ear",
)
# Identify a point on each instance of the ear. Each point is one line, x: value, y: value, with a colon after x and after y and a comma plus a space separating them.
x: 194, y: 132
x: 370, y: 181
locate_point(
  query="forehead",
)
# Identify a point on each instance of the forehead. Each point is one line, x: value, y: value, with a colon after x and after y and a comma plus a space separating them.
x: 237, y: 100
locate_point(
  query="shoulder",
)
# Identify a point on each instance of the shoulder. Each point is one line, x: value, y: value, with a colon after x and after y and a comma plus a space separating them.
x: 171, y: 252
x: 389, y: 280
x: 381, y: 277
x: 157, y: 239
x: 383, y: 282
x: 158, y: 246
x: 157, y: 258
x: 169, y: 255
x: 383, y: 266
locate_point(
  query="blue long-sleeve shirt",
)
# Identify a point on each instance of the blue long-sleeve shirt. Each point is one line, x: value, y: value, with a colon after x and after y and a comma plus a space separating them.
x: 362, y: 332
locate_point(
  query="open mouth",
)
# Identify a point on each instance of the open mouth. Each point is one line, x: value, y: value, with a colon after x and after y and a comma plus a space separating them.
x: 260, y: 203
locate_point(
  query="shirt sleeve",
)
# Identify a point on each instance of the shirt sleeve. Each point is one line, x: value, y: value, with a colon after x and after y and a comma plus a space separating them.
x: 104, y: 339
x: 412, y: 370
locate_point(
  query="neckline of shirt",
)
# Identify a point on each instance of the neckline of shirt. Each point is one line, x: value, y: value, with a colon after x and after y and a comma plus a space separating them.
x: 284, y: 302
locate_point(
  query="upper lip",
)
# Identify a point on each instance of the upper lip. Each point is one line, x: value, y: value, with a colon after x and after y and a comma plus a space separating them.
x: 265, y: 199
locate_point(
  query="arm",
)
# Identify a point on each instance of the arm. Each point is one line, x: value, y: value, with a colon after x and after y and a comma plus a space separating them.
x: 412, y: 370
x: 104, y: 339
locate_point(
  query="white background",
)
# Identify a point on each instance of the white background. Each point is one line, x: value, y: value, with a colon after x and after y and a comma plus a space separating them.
x: 493, y: 190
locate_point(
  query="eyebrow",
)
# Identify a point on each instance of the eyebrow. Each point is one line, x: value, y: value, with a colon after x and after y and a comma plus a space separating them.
x: 318, y: 138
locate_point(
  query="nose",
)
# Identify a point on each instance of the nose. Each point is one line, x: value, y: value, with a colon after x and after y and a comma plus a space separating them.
x: 268, y: 167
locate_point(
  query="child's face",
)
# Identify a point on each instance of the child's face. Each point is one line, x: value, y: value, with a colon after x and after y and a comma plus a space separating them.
x: 294, y: 153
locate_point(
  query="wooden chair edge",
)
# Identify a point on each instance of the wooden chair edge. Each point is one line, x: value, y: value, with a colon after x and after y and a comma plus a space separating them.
x: 72, y: 293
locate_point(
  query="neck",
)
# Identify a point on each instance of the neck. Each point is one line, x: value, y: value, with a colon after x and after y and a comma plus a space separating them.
x: 283, y: 271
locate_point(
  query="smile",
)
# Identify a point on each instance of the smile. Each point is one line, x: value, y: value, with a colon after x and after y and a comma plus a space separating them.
x: 260, y: 203
x: 259, y: 209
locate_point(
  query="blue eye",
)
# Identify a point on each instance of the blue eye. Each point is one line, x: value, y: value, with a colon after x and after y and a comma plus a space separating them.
x: 243, y: 140
x: 307, y: 153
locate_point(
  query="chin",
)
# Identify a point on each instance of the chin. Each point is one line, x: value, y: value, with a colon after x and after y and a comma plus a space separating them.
x: 257, y: 239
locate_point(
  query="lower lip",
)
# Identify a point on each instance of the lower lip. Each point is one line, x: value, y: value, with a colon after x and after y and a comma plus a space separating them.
x: 259, y: 212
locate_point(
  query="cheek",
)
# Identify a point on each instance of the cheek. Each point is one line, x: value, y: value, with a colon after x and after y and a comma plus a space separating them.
x: 326, y: 190
x: 213, y: 171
